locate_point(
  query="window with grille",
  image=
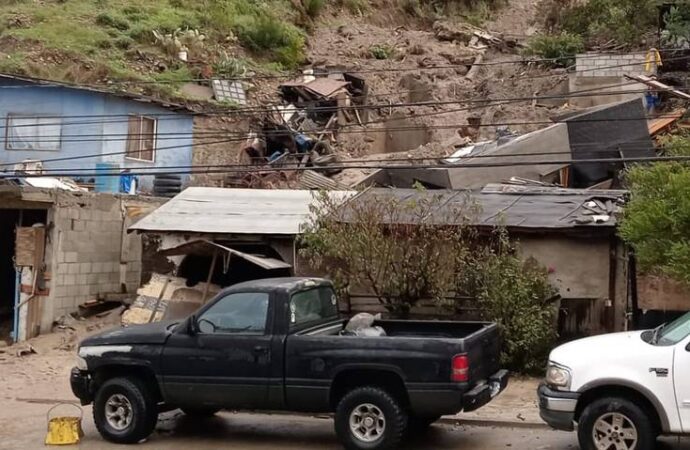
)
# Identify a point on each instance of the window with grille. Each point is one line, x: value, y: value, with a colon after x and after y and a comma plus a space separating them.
x: 25, y: 132
x: 141, y: 138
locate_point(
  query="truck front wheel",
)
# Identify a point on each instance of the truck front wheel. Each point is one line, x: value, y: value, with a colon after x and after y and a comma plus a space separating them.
x: 124, y: 411
x: 369, y: 418
x: 615, y: 423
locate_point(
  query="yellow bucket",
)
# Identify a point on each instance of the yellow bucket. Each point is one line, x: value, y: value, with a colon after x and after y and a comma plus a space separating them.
x: 64, y: 430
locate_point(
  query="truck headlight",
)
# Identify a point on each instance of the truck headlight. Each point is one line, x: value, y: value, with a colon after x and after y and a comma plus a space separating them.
x: 558, y: 376
x: 81, y: 363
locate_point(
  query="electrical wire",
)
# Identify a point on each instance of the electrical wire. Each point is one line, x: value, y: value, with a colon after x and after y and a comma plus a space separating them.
x: 377, y: 166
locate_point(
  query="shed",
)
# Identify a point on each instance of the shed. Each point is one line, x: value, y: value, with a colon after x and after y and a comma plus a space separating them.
x: 254, y: 231
x: 569, y: 231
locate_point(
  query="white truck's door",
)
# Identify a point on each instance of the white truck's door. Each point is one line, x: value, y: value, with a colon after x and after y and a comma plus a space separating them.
x: 681, y: 379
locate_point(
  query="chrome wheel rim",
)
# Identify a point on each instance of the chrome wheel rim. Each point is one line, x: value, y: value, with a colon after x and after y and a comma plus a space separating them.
x: 118, y: 412
x: 614, y: 431
x: 367, y: 422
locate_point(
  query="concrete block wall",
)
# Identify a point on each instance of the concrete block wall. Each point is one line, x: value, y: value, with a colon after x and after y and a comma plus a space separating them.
x: 93, y: 254
x: 611, y: 65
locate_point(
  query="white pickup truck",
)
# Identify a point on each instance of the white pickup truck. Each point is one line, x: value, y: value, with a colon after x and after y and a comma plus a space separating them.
x: 623, y: 389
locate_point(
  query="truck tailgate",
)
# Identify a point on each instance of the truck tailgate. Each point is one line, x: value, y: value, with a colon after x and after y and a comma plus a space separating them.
x: 483, y: 349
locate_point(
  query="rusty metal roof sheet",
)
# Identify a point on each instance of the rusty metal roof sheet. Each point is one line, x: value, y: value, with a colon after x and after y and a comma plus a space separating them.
x: 234, y: 211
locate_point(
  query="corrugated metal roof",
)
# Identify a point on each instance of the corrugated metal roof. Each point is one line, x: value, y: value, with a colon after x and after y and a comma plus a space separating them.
x: 517, y: 207
x: 121, y: 94
x: 233, y: 211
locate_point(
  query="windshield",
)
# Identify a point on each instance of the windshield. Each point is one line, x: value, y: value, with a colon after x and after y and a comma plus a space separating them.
x: 312, y: 306
x: 674, y: 332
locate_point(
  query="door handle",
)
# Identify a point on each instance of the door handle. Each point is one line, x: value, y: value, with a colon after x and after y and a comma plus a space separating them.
x: 260, y: 350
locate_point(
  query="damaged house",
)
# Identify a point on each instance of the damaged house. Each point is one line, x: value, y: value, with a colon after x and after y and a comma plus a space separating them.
x: 205, y: 239
x: 571, y: 232
x: 89, y: 128
x: 62, y: 250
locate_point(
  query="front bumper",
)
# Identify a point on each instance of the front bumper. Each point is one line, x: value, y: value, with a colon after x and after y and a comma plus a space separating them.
x: 80, y: 381
x: 557, y: 408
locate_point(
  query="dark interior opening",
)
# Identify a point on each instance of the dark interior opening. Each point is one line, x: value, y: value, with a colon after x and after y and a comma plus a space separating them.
x: 9, y: 220
x: 195, y: 267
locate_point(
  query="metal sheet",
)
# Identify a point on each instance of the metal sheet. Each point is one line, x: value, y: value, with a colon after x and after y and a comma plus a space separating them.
x: 234, y: 211
x: 516, y: 207
x: 206, y: 246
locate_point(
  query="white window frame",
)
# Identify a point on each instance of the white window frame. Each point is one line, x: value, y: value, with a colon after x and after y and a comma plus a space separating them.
x: 8, y: 138
x: 141, y: 118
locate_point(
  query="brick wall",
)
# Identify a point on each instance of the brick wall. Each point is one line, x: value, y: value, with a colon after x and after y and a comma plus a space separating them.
x: 610, y: 65
x: 92, y: 253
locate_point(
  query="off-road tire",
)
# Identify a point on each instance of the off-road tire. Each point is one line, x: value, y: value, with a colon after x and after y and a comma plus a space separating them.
x: 395, y: 417
x: 646, y: 437
x: 144, y: 409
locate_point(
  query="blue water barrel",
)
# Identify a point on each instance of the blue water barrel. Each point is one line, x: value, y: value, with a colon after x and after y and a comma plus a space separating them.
x: 107, y: 183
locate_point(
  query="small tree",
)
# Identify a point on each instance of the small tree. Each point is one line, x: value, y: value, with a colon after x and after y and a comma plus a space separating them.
x: 656, y: 221
x: 390, y: 245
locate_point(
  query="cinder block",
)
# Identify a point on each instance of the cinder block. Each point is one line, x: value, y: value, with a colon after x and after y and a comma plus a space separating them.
x: 84, y: 289
x: 72, y: 290
x: 82, y: 278
x: 94, y: 289
x: 70, y: 280
x: 71, y: 257
x: 73, y: 268
x: 85, y: 267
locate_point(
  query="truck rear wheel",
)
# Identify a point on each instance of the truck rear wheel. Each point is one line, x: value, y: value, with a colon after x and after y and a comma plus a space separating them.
x: 369, y: 418
x: 615, y: 423
x: 124, y: 411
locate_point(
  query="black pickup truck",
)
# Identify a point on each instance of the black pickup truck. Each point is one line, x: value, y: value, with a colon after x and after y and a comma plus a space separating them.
x: 277, y: 344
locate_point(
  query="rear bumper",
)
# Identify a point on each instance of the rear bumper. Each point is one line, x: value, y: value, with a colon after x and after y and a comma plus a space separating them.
x: 557, y: 408
x: 80, y: 383
x: 454, y: 398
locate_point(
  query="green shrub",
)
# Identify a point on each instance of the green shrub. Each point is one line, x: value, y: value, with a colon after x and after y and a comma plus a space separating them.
x: 313, y: 7
x: 599, y: 21
x: 657, y: 217
x: 108, y: 20
x: 381, y: 51
x: 560, y: 49
x: 268, y: 35
x: 123, y: 42
x: 355, y: 6
x: 517, y: 295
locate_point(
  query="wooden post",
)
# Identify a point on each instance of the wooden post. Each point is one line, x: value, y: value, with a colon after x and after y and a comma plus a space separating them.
x: 210, y: 275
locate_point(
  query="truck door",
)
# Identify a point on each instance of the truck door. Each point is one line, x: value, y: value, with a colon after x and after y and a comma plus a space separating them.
x: 226, y: 363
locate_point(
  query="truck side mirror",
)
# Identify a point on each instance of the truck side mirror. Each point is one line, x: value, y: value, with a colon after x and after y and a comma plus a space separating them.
x: 192, y: 327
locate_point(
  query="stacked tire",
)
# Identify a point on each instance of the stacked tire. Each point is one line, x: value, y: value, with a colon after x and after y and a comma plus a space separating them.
x: 167, y: 185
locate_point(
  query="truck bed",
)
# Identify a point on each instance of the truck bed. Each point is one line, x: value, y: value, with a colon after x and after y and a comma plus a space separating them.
x: 421, y: 350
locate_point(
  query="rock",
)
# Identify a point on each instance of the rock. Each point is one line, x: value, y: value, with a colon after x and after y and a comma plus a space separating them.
x: 345, y: 31
x: 445, y: 32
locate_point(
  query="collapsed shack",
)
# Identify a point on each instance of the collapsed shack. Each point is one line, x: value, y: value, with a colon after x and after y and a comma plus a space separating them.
x: 571, y: 232
x: 302, y: 131
x: 206, y: 239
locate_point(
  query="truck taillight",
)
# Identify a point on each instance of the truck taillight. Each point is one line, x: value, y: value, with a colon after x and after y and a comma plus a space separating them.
x: 460, y: 369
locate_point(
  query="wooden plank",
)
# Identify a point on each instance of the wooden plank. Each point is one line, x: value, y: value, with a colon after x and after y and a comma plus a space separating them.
x: 658, y: 125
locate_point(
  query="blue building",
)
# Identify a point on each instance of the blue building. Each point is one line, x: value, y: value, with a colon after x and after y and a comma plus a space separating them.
x: 77, y: 129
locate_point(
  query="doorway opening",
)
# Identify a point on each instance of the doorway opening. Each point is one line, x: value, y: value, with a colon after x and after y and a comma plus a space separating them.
x: 195, y: 267
x: 10, y: 219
